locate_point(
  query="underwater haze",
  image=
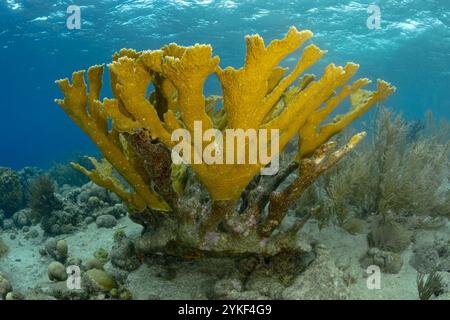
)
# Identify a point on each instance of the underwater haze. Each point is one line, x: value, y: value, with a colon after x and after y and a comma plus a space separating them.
x: 410, y: 49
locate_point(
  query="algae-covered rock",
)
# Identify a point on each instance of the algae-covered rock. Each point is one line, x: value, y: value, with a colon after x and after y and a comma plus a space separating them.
x: 88, y: 220
x: 11, y: 196
x: 117, y: 211
x: 22, y: 218
x: 73, y: 261
x: 57, y: 271
x: 232, y: 289
x: 93, y: 263
x: 265, y: 285
x: 62, y: 250
x: 32, y: 234
x: 224, y: 288
x: 94, y: 203
x: 57, y: 249
x: 59, y: 222
x: 248, y: 295
x: 123, y: 254
x: 8, y: 224
x: 60, y: 290
x: 95, y: 281
x: 101, y: 255
x: 121, y: 293
x: 92, y: 190
x: 106, y: 221
x: 388, y: 262
x: 270, y: 276
x: 321, y: 281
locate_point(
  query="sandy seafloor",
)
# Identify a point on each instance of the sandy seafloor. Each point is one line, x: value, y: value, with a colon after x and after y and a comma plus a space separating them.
x: 26, y: 268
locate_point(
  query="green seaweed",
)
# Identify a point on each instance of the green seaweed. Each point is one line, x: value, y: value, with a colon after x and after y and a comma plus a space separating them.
x: 430, y: 285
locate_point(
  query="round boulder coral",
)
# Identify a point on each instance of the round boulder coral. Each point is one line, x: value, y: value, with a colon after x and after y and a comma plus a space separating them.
x: 22, y: 218
x: 57, y: 271
x: 95, y: 281
x: 106, y: 221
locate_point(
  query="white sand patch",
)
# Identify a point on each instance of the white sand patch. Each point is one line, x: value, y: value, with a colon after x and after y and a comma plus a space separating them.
x: 23, y: 266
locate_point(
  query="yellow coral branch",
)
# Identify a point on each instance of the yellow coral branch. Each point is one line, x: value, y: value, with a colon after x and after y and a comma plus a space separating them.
x: 94, y: 124
x: 245, y: 90
x: 312, y: 136
x: 103, y: 176
x: 260, y: 95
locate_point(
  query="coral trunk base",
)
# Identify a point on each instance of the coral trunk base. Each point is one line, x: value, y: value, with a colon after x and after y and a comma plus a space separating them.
x: 172, y: 236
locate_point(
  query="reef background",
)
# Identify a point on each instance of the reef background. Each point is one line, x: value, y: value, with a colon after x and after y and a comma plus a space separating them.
x: 410, y: 50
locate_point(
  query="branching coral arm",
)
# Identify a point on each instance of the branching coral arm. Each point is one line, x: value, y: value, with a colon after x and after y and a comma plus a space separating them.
x: 103, y: 176
x: 94, y: 124
x: 188, y: 74
x: 244, y: 103
x: 132, y: 83
x: 309, y: 170
x: 312, y: 136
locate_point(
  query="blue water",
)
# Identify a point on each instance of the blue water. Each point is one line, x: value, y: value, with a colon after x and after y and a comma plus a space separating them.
x: 411, y: 50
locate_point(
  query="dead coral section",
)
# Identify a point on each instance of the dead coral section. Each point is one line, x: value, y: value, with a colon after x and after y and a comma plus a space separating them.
x: 233, y: 219
x: 401, y: 170
x: 388, y: 262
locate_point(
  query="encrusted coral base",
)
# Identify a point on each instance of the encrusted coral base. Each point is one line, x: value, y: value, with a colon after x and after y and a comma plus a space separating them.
x: 186, y: 239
